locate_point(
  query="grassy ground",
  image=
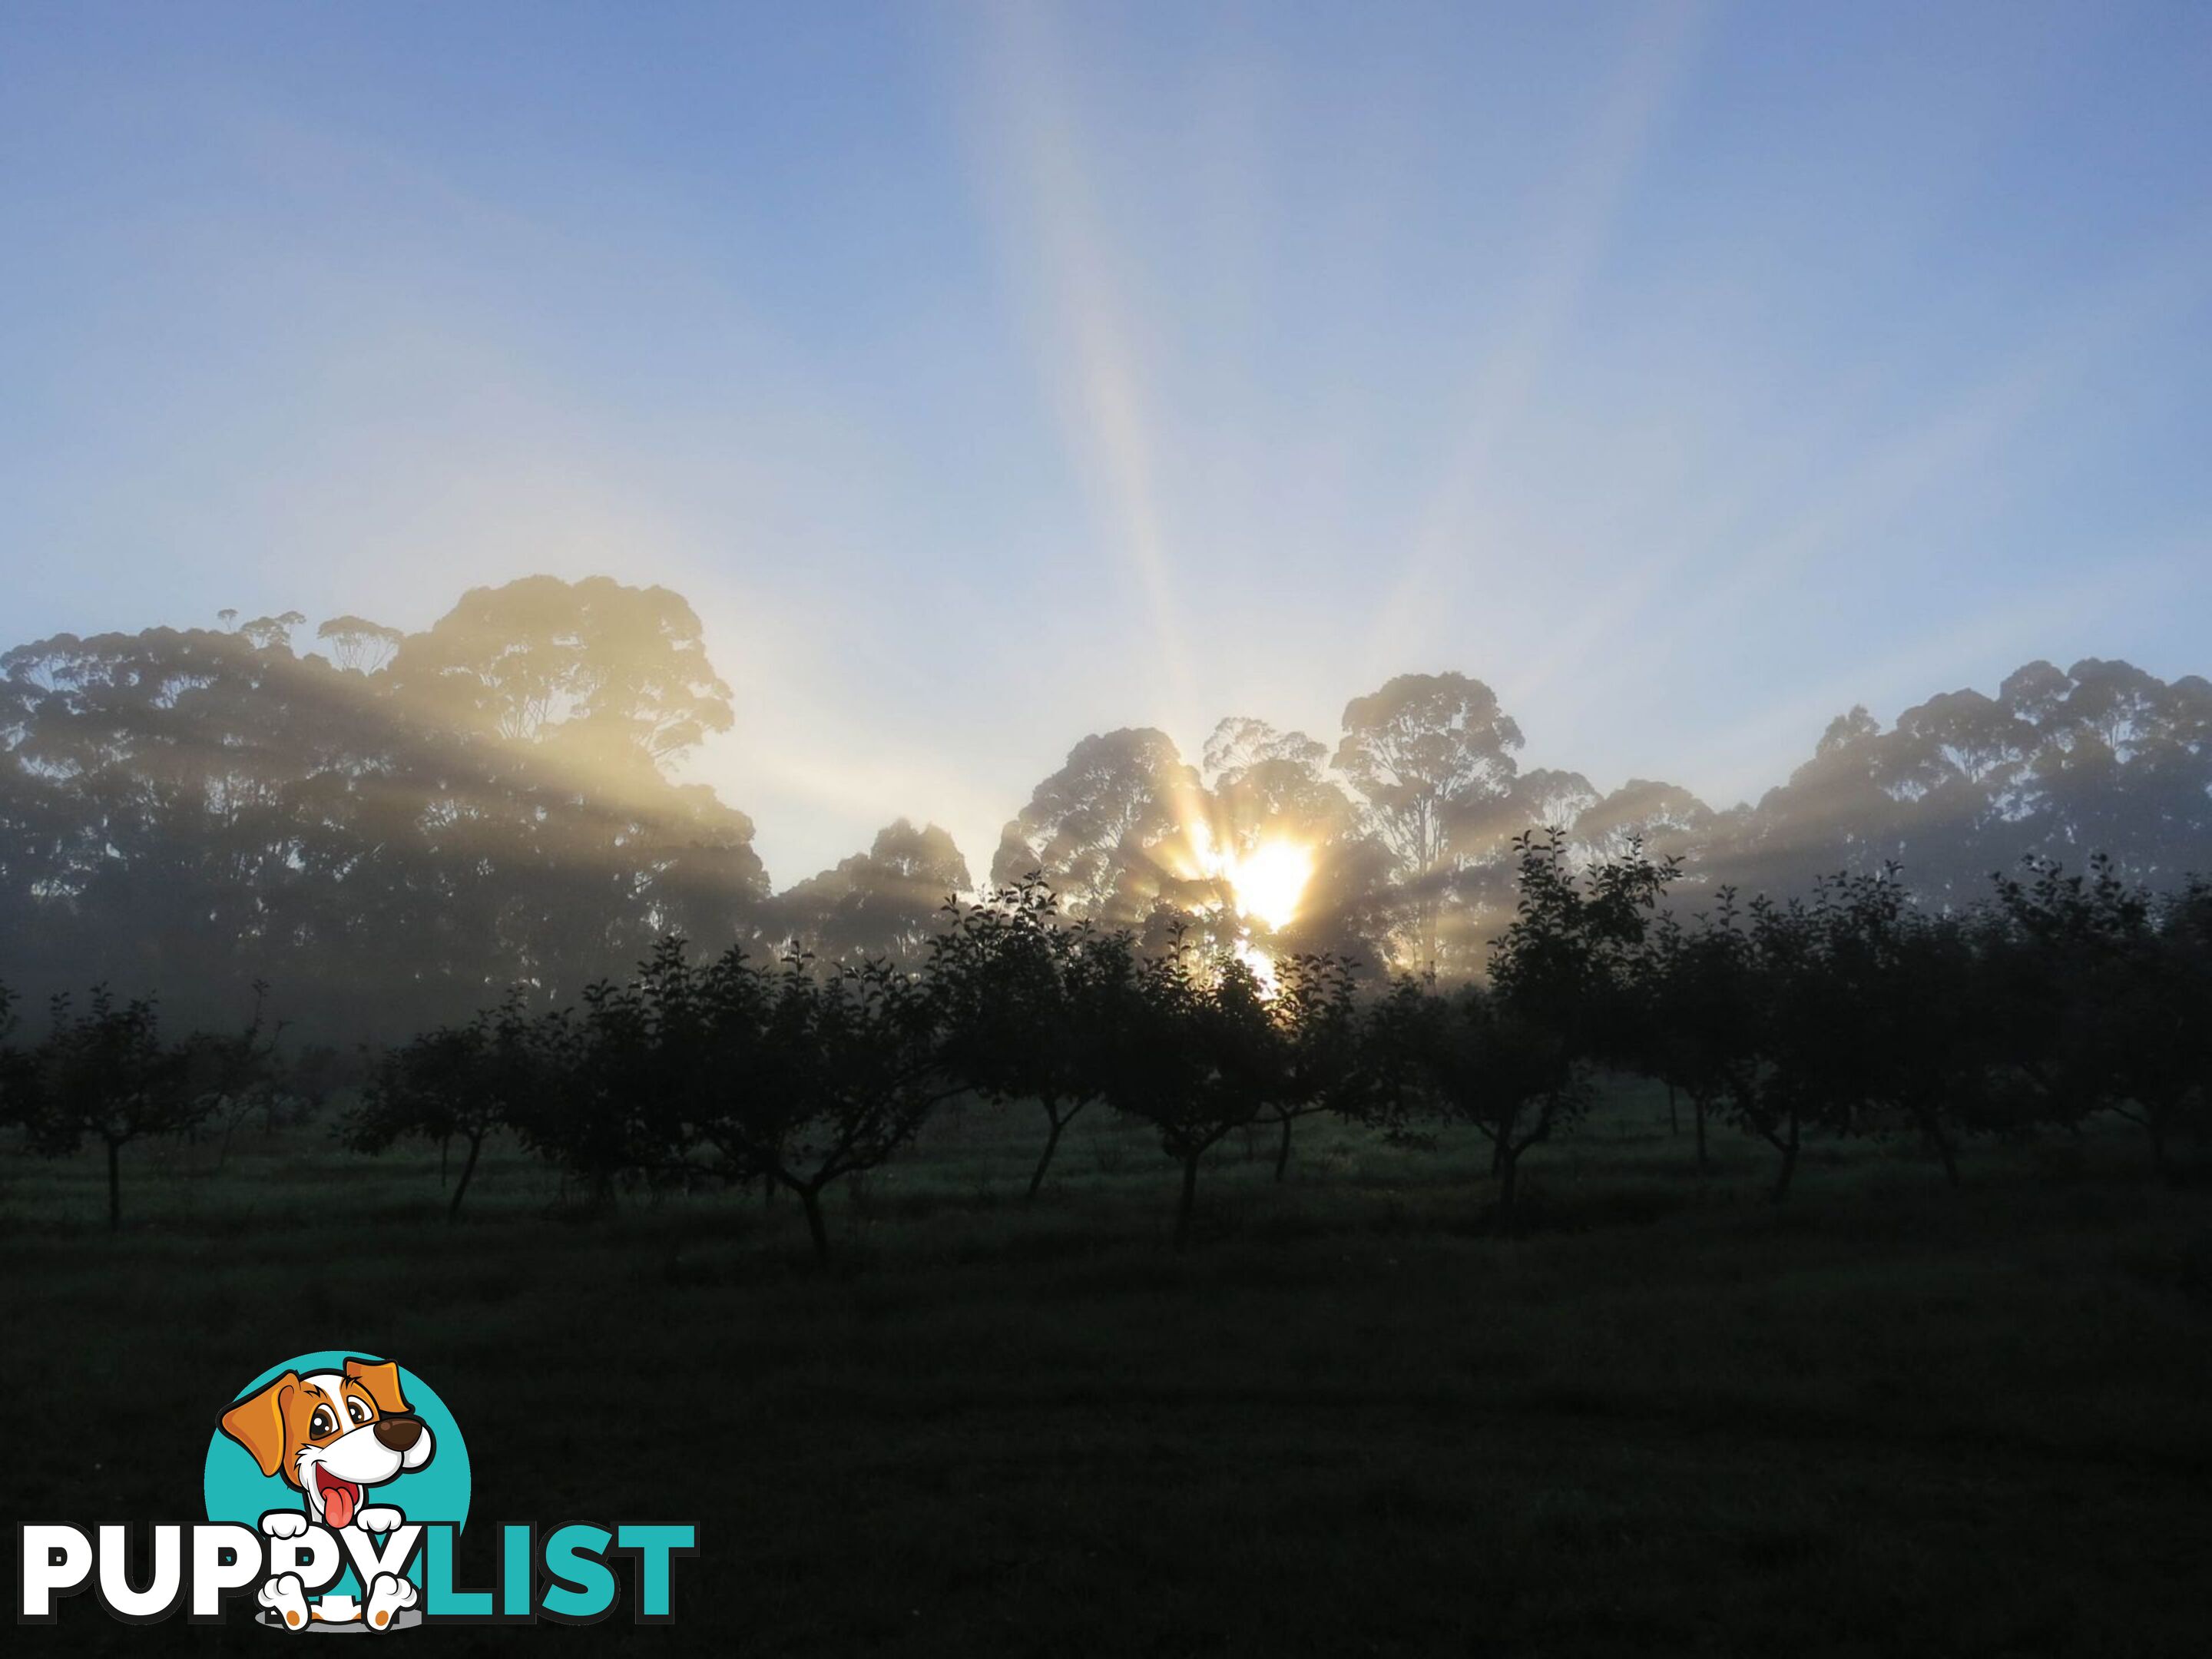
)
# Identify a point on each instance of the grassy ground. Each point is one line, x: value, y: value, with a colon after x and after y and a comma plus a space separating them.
x: 1886, y: 1418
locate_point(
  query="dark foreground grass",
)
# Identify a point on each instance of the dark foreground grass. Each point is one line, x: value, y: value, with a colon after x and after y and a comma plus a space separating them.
x: 1887, y: 1419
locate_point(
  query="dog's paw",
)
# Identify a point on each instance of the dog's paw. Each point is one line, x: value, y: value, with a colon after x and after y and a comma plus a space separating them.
x: 284, y: 1523
x: 378, y: 1518
x: 390, y: 1592
x: 287, y: 1597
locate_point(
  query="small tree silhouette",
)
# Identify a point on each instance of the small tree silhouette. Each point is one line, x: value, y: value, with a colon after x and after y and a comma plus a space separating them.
x: 822, y: 1074
x: 458, y: 1080
x: 2106, y: 997
x: 1909, y: 1027
x: 236, y: 1075
x: 106, y: 1075
x: 1512, y: 1059
x: 1020, y: 992
x: 1193, y: 1044
x: 1320, y: 1066
x: 1469, y: 1058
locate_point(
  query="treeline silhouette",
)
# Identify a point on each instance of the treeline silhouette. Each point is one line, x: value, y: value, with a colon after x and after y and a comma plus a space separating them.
x: 1854, y: 1012
x: 396, y: 828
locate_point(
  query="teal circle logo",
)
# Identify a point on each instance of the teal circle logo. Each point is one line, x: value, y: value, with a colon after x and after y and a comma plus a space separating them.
x: 262, y: 1447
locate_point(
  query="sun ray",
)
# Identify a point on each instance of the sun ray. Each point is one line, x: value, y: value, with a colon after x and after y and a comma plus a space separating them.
x: 1588, y: 203
x: 1085, y: 337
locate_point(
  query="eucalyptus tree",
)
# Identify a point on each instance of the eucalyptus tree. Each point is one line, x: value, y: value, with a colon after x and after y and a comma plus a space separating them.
x: 2100, y: 755
x: 1432, y: 758
x: 358, y: 646
x: 888, y: 902
x: 1241, y: 747
x: 396, y: 840
x: 1111, y: 829
x: 1664, y: 819
x: 615, y: 678
x: 1264, y: 784
x: 1270, y: 786
x: 1270, y: 793
x: 1546, y: 798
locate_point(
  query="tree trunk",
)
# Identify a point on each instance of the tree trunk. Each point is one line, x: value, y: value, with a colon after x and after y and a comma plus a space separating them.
x: 1943, y: 1148
x: 222, y: 1152
x: 1788, y: 1150
x: 1674, y: 1122
x: 810, y: 1198
x: 1508, y: 1180
x: 114, y: 1186
x: 1498, y: 1157
x: 1051, y: 1142
x: 445, y: 1150
x: 1189, y: 1200
x: 1283, y: 1150
x: 468, y: 1169
x: 1699, y: 1102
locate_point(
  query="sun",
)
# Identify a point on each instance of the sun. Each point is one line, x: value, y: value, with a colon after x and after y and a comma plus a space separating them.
x: 1269, y: 881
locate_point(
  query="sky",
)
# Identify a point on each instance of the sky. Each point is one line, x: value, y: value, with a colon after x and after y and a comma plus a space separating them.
x: 989, y: 376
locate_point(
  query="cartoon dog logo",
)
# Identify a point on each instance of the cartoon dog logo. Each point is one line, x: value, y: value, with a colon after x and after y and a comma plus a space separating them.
x: 331, y: 1435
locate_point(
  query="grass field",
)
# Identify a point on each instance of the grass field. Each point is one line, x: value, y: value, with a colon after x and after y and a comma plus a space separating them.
x: 1884, y: 1418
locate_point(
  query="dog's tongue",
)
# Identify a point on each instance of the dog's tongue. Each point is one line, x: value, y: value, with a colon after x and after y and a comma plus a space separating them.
x: 337, y: 1505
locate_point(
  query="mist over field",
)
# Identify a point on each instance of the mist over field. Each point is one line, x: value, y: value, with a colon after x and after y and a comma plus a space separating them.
x: 396, y: 827
x: 1134, y: 830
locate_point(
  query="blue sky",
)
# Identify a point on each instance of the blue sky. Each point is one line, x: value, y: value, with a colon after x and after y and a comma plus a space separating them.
x: 989, y: 376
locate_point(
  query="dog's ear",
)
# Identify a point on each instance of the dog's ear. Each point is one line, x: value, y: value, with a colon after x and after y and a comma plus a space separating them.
x: 382, y: 1382
x: 257, y: 1423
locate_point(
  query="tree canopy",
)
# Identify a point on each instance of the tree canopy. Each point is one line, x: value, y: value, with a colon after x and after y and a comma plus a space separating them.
x: 395, y: 827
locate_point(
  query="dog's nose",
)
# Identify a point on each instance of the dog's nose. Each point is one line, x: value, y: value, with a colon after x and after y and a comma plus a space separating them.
x: 398, y: 1433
